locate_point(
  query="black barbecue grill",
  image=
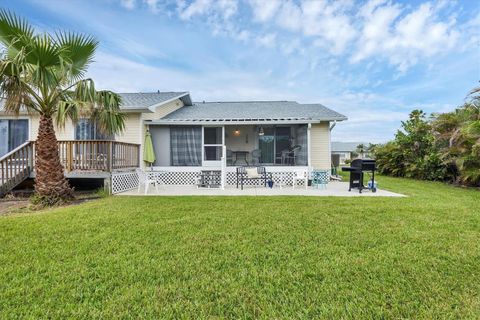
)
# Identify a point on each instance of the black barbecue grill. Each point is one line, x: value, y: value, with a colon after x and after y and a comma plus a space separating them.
x: 357, y: 170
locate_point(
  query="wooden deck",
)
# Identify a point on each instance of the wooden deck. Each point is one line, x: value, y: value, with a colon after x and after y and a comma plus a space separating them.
x: 80, y: 158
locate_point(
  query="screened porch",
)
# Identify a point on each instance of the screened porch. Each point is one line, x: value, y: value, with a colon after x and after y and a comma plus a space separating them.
x: 201, y: 146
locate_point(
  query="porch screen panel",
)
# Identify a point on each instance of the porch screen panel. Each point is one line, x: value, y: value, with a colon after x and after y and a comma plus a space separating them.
x: 301, y: 139
x: 186, y: 145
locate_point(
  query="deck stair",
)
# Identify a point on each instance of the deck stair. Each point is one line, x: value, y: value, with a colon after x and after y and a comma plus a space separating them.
x: 16, y: 166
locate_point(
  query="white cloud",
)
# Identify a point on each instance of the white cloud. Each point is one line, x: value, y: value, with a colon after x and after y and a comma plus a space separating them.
x: 221, y: 9
x: 198, y: 7
x: 264, y: 10
x: 212, y: 85
x: 399, y: 34
x: 153, y: 5
x: 228, y: 7
x: 128, y: 4
x: 329, y: 23
x: 290, y: 16
x: 403, y: 39
x: 267, y: 40
x: 243, y: 35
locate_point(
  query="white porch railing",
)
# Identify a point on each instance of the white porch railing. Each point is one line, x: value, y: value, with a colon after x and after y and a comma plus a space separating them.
x: 186, y: 176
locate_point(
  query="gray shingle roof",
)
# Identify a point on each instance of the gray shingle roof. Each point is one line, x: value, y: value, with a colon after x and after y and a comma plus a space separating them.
x: 143, y: 100
x: 253, y: 110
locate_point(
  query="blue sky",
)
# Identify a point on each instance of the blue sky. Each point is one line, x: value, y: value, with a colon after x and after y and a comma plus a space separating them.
x: 373, y: 61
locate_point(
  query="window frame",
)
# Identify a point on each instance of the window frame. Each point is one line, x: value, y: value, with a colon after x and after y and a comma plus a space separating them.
x: 221, y: 144
x: 10, y: 146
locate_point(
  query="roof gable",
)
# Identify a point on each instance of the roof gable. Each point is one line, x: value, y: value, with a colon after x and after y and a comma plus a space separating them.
x: 148, y: 101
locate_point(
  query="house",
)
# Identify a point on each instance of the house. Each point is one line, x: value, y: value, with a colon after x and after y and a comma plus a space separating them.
x: 347, y: 150
x: 188, y: 137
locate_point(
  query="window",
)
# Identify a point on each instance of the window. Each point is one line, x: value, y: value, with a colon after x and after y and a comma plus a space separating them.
x: 212, y: 141
x: 12, y: 134
x: 88, y: 130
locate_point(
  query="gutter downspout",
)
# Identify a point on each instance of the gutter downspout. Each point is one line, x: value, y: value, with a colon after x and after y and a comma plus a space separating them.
x: 333, y: 125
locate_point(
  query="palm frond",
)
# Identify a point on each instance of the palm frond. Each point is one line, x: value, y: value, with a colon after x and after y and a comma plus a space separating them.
x: 15, y: 93
x: 15, y: 32
x: 107, y: 113
x: 14, y: 86
x: 85, y: 102
x: 66, y: 109
x: 76, y: 52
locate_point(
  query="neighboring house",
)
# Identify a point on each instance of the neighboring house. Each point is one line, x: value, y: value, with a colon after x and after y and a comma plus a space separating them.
x: 189, y: 137
x: 347, y: 150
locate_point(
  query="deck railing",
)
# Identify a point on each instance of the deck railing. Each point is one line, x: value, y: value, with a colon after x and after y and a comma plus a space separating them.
x: 98, y: 155
x: 16, y: 166
x: 75, y: 155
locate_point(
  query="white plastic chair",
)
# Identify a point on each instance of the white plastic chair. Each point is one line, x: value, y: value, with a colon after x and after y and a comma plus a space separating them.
x: 282, y: 180
x: 143, y: 179
x: 301, y: 176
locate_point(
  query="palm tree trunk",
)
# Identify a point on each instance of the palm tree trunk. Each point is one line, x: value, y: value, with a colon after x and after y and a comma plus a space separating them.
x: 50, y: 182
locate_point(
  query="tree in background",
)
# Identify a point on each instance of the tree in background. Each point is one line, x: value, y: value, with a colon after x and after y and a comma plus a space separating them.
x: 412, y: 153
x: 445, y: 147
x: 458, y: 139
x: 44, y: 74
x: 360, y: 150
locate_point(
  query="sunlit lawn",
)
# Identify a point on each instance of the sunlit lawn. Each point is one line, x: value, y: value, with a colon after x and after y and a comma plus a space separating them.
x: 247, y: 257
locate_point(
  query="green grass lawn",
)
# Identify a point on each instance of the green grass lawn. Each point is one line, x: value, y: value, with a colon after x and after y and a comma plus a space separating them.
x: 247, y: 257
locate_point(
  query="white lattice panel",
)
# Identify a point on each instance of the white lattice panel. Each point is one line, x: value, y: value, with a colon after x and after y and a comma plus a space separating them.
x: 178, y: 178
x: 285, y: 176
x: 124, y: 181
x: 188, y: 175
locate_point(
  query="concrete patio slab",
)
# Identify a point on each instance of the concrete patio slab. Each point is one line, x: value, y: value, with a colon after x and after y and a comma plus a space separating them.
x: 334, y: 189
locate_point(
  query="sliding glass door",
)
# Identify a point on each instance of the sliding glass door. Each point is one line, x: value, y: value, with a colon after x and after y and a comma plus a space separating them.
x: 266, y: 144
x: 272, y: 143
x: 282, y: 142
x: 3, y: 137
x: 12, y: 134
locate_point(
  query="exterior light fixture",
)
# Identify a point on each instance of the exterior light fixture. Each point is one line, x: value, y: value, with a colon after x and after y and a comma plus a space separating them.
x: 236, y: 132
x: 261, y: 132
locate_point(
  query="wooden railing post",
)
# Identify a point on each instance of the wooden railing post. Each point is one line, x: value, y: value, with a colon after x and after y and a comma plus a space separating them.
x: 69, y: 156
x: 30, y: 155
x: 110, y: 150
x: 137, y: 150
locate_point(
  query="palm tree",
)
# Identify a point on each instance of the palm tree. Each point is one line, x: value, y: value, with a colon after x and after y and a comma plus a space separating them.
x: 361, y: 150
x: 458, y: 138
x: 44, y: 74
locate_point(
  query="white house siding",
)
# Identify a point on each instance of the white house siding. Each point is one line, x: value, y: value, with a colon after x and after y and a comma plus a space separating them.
x: 133, y: 124
x: 320, y: 145
x: 133, y: 128
x: 66, y: 133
